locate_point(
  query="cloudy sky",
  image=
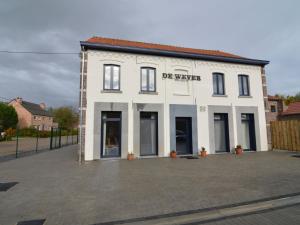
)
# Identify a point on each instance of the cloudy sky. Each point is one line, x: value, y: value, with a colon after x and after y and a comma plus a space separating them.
x: 257, y: 29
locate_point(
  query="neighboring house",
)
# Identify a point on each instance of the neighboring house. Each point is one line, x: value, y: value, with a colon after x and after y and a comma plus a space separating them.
x: 276, y: 107
x: 32, y: 115
x: 292, y: 112
x: 150, y: 99
x: 279, y: 111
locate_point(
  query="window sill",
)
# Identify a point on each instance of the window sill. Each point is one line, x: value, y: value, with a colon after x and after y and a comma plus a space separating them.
x: 215, y: 95
x: 111, y: 91
x: 245, y: 96
x: 181, y: 94
x: 148, y: 92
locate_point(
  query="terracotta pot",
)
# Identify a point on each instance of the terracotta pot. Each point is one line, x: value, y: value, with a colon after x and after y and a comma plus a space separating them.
x: 130, y: 156
x: 173, y: 155
x: 203, y: 153
x: 238, y: 151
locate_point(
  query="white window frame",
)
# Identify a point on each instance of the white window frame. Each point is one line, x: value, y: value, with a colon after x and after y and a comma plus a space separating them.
x: 111, y: 77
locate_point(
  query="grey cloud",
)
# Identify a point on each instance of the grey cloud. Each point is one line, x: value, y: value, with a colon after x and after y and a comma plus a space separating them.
x: 257, y: 29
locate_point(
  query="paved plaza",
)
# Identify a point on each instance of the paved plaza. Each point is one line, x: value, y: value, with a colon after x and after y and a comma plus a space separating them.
x: 53, y: 186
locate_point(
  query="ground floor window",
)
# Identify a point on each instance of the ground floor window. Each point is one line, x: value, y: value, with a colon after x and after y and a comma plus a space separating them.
x: 111, y: 134
x: 183, y: 135
x: 248, y: 132
x: 221, y: 132
x: 148, y: 133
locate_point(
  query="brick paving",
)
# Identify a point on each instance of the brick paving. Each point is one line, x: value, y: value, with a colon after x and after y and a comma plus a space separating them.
x: 53, y: 186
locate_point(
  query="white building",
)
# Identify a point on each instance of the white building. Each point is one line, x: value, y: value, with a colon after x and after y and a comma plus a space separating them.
x: 149, y: 99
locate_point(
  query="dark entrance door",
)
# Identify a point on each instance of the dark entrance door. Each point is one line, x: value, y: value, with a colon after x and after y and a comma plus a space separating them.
x: 148, y: 133
x: 111, y: 134
x: 248, y: 132
x: 183, y: 135
x: 221, y: 132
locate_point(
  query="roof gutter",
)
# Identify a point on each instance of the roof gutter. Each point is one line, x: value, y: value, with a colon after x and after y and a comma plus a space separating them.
x: 98, y: 46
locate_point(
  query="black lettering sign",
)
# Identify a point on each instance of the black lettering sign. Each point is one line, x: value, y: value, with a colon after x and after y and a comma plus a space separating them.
x: 177, y: 76
x: 180, y: 76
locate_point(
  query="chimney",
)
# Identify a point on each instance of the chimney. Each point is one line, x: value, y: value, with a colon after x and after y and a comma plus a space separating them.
x: 19, y: 100
x: 43, y: 105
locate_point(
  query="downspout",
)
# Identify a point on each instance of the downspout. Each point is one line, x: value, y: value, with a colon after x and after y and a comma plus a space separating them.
x: 81, y: 98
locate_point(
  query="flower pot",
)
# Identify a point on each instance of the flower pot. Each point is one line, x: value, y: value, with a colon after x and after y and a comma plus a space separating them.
x: 130, y: 156
x: 173, y: 155
x: 238, y: 151
x: 203, y: 153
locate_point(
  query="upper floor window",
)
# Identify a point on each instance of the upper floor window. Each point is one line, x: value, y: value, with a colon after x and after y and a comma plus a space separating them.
x: 273, y: 108
x: 148, y: 79
x: 111, y: 77
x: 244, y: 85
x: 218, y: 84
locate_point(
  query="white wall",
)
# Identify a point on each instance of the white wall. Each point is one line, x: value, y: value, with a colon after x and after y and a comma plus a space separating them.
x: 200, y: 92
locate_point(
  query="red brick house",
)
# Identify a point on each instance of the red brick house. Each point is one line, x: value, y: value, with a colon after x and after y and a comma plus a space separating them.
x: 276, y: 107
x: 32, y: 115
x: 292, y: 112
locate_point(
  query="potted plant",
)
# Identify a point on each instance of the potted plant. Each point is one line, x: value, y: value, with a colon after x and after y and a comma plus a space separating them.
x: 238, y: 150
x: 173, y: 154
x: 203, y: 152
x: 130, y: 156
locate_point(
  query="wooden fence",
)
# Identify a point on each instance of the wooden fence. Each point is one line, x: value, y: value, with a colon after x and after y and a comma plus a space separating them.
x: 286, y: 135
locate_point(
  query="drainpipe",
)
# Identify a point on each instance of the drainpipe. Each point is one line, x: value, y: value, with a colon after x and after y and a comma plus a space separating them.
x: 81, y: 98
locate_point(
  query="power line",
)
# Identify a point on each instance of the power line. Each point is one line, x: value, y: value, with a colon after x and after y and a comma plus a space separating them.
x: 39, y: 53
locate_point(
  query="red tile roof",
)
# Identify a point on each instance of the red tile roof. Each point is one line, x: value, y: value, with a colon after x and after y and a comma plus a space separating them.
x: 274, y: 98
x: 126, y: 43
x: 293, y: 108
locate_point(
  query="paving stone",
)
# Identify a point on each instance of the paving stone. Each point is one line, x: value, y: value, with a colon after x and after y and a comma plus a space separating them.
x: 52, y: 185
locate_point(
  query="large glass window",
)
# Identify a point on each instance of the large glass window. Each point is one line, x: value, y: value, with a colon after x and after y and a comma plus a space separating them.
x: 244, y: 85
x: 148, y: 79
x: 247, y: 130
x: 221, y: 132
x: 111, y: 77
x: 218, y: 84
x: 111, y: 134
x: 148, y: 133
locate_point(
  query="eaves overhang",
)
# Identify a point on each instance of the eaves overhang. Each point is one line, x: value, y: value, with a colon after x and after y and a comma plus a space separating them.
x: 158, y: 52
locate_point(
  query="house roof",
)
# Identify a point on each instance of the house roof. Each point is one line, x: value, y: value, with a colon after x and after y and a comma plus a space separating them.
x: 293, y: 108
x: 274, y: 98
x: 166, y: 50
x: 35, y: 109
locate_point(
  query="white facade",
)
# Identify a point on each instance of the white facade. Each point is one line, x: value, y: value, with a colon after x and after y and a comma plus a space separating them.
x: 171, y: 91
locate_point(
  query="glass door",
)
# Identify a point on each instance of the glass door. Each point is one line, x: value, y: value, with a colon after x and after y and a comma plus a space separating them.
x: 111, y: 134
x: 148, y: 133
x: 248, y: 132
x: 221, y: 132
x: 183, y: 135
